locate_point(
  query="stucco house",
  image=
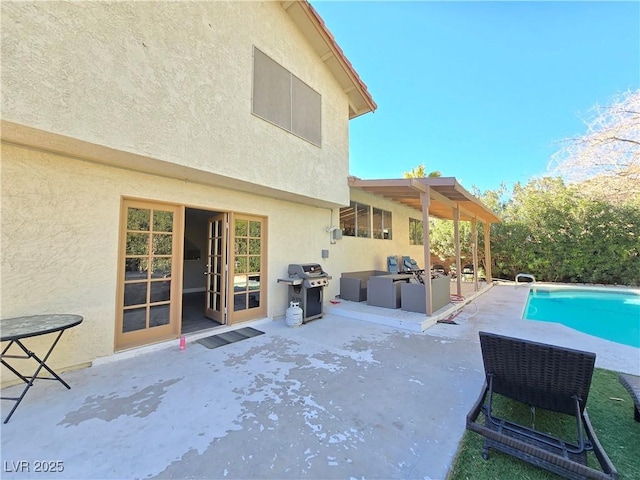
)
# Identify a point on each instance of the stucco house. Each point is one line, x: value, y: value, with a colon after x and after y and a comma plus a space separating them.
x: 160, y: 154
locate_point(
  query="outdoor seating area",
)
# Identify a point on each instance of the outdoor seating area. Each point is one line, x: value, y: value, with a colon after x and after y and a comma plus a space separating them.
x: 401, y: 286
x: 541, y: 376
x: 394, y: 290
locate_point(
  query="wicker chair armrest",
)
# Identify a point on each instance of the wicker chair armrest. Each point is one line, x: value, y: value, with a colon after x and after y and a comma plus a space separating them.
x: 472, y: 416
x: 632, y: 384
x: 601, y: 455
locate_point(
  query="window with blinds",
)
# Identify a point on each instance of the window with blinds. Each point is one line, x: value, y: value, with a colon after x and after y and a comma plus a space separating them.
x: 281, y: 98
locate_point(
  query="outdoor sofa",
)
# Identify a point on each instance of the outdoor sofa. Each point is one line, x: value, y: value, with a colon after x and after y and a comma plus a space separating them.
x: 353, y: 285
x: 414, y: 297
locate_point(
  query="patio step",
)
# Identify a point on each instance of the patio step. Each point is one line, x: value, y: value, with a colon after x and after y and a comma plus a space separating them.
x: 415, y: 322
x: 397, y: 318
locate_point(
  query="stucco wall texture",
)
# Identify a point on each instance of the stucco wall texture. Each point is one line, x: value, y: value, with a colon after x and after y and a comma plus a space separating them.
x: 172, y: 81
x: 60, y: 222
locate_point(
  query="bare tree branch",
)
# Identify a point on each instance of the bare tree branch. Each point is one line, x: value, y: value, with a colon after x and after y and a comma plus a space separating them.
x: 606, y: 159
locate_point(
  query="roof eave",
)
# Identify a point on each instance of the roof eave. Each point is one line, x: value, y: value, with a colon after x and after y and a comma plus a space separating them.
x: 446, y: 193
x: 313, y: 27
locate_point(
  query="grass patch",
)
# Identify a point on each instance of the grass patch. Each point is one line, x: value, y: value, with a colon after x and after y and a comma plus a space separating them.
x: 611, y: 413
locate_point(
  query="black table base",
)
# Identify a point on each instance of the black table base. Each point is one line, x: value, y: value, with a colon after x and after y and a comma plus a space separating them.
x: 30, y: 379
x: 17, y: 329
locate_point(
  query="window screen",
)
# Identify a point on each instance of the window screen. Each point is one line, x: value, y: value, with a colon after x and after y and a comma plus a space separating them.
x: 354, y: 220
x: 381, y: 224
x: 284, y: 100
x: 415, y: 232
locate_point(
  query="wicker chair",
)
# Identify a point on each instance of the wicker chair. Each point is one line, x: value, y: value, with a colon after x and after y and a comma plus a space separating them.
x: 542, y: 376
x: 632, y: 384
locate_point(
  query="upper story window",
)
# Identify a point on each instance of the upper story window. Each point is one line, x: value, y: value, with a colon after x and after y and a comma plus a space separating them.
x: 381, y: 224
x: 284, y: 100
x: 415, y: 232
x: 354, y: 220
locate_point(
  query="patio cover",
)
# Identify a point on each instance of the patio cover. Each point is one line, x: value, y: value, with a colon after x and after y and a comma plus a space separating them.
x: 439, y: 197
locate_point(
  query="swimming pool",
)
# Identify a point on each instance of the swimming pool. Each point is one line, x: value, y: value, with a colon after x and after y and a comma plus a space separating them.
x: 612, y: 314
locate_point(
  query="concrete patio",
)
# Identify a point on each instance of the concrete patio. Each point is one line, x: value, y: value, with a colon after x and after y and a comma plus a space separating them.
x: 336, y: 398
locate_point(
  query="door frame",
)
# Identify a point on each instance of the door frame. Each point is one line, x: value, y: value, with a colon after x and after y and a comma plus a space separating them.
x: 123, y: 341
x: 245, y: 315
x: 217, y: 266
x: 173, y: 330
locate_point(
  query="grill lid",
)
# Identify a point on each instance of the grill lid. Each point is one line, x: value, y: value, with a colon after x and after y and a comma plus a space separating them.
x: 306, y: 270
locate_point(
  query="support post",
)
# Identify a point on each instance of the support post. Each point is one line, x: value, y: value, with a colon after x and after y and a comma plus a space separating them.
x: 425, y: 200
x: 487, y: 252
x: 474, y: 238
x: 456, y: 237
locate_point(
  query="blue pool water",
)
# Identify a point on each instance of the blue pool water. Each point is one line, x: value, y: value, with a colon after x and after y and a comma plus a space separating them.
x: 610, y: 314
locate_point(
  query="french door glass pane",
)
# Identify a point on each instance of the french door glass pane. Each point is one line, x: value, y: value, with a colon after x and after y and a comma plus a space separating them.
x: 241, y: 265
x: 162, y: 244
x: 162, y: 221
x: 160, y: 291
x: 241, y: 246
x: 162, y: 267
x: 135, y: 319
x: 158, y: 315
x: 137, y: 243
x: 255, y: 229
x: 242, y: 228
x: 135, y: 294
x: 138, y: 219
x: 254, y: 246
x: 254, y: 282
x: 254, y: 264
x: 136, y: 268
x: 239, y: 283
x: 240, y: 301
x: 254, y: 300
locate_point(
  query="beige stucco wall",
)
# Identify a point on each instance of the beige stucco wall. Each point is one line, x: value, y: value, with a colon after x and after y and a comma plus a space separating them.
x: 172, y: 81
x: 60, y: 220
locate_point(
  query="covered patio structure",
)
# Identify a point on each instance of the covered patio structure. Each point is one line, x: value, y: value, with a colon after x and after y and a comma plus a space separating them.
x: 438, y: 197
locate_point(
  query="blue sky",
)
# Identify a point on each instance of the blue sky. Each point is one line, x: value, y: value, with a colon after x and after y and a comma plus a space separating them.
x: 483, y: 91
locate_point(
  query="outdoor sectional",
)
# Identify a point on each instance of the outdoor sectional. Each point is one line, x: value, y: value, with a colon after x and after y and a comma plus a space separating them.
x: 353, y: 285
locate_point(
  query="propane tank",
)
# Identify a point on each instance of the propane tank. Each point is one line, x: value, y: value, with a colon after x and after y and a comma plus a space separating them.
x: 294, y: 315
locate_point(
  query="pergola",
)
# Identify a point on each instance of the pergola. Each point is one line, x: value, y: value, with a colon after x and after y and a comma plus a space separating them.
x: 439, y: 197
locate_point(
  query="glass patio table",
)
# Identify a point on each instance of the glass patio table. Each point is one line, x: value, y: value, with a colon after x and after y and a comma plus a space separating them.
x: 14, y: 330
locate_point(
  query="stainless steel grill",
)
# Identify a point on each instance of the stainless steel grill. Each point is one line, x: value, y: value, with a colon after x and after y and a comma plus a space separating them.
x: 306, y: 282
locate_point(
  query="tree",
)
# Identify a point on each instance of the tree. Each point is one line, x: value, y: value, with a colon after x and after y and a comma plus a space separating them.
x: 440, y: 230
x: 605, y: 161
x: 420, y: 172
x: 558, y: 234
